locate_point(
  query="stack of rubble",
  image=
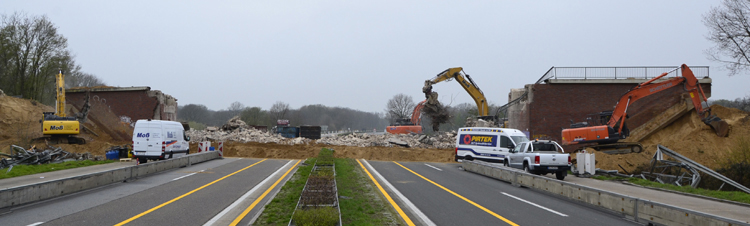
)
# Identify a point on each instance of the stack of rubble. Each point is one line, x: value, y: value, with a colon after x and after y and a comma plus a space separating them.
x: 21, y: 156
x: 239, y: 131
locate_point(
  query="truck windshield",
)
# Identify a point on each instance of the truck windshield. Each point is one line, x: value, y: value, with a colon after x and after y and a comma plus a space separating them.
x: 519, y: 139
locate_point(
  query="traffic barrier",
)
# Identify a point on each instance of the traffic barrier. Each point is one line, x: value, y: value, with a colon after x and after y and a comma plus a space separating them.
x: 221, y: 149
x: 25, y: 194
x: 642, y: 211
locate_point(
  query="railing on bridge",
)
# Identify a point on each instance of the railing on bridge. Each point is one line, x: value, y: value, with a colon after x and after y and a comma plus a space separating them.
x: 618, y: 72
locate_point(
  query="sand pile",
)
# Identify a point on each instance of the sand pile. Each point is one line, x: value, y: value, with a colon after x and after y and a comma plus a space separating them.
x: 688, y: 136
x: 19, y: 123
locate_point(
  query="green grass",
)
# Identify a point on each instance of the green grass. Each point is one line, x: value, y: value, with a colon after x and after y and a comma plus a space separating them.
x: 279, y: 210
x: 363, y: 204
x: 736, y: 196
x: 22, y: 170
x: 323, y: 216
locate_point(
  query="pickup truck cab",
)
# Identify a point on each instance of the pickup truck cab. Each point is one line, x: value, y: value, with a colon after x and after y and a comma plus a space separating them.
x: 540, y: 157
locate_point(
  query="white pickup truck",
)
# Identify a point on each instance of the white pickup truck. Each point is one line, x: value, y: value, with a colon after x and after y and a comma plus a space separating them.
x: 540, y: 157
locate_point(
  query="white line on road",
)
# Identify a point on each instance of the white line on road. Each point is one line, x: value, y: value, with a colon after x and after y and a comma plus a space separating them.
x: 186, y: 175
x: 35, y: 224
x: 403, y: 198
x: 239, y: 200
x: 433, y: 167
x: 534, y: 204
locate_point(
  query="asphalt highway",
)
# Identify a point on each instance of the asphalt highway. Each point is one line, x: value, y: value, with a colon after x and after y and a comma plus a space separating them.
x: 192, y: 195
x: 448, y: 195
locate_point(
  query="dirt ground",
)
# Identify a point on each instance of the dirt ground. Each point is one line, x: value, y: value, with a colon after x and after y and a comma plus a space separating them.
x: 688, y: 136
x: 273, y: 150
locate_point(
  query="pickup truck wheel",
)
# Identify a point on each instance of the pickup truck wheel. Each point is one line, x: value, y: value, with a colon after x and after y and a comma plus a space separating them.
x: 526, y: 168
x: 560, y: 175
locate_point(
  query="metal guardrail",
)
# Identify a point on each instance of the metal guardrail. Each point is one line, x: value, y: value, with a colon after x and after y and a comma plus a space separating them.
x: 702, y: 168
x: 619, y: 72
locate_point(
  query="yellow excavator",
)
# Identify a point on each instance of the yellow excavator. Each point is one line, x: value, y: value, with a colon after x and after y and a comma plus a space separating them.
x: 56, y: 126
x: 457, y: 73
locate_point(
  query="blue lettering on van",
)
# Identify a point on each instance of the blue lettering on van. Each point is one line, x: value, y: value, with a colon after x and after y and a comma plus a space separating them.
x: 478, y: 140
x: 143, y: 135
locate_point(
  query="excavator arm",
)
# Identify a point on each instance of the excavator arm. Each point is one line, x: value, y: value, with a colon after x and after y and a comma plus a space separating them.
x: 649, y: 88
x: 465, y: 81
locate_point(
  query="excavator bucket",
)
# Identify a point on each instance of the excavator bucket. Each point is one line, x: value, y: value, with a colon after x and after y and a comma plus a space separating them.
x: 720, y: 126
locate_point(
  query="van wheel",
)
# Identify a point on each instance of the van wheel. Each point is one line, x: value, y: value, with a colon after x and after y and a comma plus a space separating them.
x: 560, y: 175
x: 468, y: 158
x: 170, y: 155
x: 142, y: 160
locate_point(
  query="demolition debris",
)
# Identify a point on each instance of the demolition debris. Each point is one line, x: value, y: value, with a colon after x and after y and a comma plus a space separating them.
x: 21, y: 156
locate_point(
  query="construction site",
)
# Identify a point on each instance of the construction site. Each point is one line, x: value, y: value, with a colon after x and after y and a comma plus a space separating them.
x: 540, y: 109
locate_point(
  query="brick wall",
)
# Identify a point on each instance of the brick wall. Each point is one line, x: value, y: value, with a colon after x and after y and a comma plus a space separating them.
x: 553, y: 105
x: 134, y: 104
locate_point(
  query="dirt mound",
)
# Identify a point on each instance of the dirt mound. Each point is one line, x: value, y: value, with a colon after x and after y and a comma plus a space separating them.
x: 688, y: 136
x: 283, y: 151
x: 19, y: 123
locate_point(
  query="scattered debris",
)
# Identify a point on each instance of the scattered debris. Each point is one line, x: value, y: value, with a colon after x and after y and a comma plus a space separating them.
x: 234, y: 123
x: 21, y: 156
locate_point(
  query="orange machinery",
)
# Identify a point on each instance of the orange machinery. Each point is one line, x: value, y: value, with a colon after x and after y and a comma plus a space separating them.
x: 405, y: 125
x: 608, y: 134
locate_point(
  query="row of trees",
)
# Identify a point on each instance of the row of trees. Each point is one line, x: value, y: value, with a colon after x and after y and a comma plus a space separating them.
x: 336, y: 118
x: 31, y: 53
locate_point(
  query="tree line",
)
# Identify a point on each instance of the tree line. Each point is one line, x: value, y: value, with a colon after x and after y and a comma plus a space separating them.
x: 335, y: 118
x: 32, y: 52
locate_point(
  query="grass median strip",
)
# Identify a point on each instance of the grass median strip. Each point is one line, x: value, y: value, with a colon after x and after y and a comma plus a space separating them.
x: 459, y: 196
x: 186, y: 194
x: 23, y: 170
x: 279, y: 210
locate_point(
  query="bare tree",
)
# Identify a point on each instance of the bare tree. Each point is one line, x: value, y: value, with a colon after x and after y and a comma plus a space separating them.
x: 279, y: 110
x: 236, y: 108
x: 400, y: 106
x: 729, y: 29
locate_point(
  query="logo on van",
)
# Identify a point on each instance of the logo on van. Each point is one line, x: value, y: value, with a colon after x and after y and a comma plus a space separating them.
x: 479, y: 140
x: 143, y: 135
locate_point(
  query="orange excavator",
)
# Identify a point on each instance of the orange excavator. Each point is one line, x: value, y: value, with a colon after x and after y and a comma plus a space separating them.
x: 405, y: 125
x: 613, y: 128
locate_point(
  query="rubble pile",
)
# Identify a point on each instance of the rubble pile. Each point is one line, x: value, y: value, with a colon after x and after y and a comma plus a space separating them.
x: 237, y: 130
x: 33, y: 156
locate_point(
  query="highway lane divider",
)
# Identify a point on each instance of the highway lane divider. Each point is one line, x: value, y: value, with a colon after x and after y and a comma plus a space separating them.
x: 186, y: 194
x: 249, y: 208
x: 639, y: 210
x: 15, y: 196
x: 413, y: 208
x: 460, y: 196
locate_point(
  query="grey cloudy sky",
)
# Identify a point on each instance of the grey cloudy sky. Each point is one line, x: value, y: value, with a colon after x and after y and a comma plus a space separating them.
x: 358, y: 54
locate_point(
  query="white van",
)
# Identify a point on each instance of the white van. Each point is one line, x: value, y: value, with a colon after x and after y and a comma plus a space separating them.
x: 157, y: 139
x: 487, y: 144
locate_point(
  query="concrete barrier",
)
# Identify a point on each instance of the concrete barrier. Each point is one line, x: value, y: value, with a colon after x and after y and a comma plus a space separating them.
x: 636, y: 209
x: 20, y: 195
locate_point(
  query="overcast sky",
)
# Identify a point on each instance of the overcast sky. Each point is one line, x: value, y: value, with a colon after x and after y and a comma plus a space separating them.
x: 359, y: 54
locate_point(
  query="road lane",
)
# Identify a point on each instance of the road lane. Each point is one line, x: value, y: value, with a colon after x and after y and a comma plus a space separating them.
x: 487, y: 192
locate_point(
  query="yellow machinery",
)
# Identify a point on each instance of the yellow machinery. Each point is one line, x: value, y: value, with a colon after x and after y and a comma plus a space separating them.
x: 56, y: 126
x: 467, y: 83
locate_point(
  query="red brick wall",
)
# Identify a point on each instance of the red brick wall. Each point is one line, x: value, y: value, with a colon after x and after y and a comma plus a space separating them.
x: 134, y: 104
x: 554, y: 105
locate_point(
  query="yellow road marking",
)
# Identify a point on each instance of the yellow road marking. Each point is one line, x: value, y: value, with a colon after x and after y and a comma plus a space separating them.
x: 183, y: 196
x: 246, y: 211
x: 398, y: 209
x: 459, y: 196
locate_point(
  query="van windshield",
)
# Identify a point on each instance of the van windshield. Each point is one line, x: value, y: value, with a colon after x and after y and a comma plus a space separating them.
x: 519, y: 139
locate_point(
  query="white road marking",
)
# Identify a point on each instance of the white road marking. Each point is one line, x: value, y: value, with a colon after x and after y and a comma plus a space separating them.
x: 534, y: 204
x: 35, y: 224
x: 433, y: 167
x: 186, y: 175
x: 403, y: 198
x: 241, y: 199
